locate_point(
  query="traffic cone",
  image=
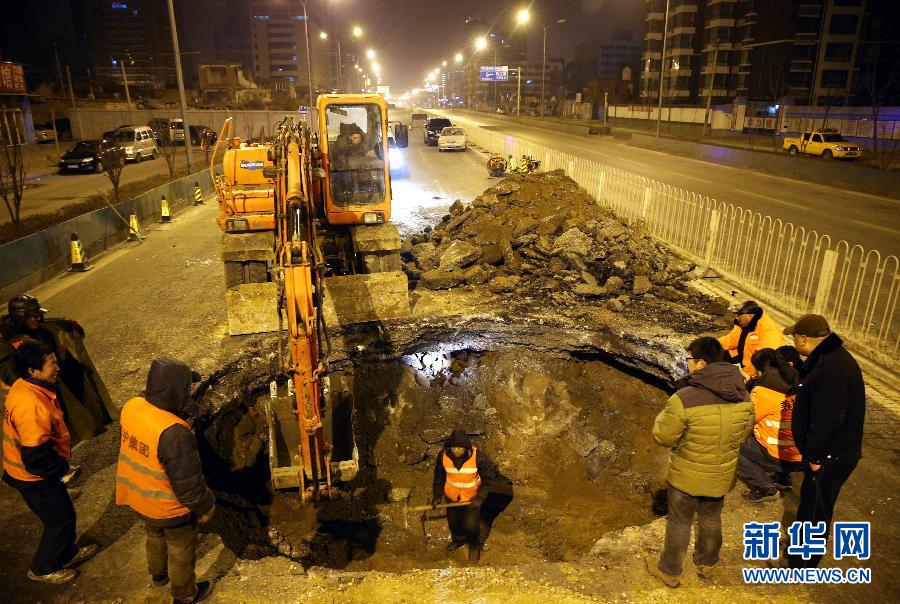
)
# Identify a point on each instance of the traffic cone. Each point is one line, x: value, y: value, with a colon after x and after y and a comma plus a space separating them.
x: 79, y: 262
x: 164, y: 216
x: 198, y: 195
x: 134, y: 228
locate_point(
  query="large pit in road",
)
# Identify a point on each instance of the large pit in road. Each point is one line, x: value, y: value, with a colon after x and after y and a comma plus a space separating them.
x: 569, y: 433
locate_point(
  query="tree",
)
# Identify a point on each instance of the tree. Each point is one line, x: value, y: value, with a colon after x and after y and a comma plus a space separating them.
x: 167, y: 146
x: 879, y: 89
x: 12, y: 168
x: 112, y: 158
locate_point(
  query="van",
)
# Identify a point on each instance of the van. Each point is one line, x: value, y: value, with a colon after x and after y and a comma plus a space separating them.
x: 138, y: 141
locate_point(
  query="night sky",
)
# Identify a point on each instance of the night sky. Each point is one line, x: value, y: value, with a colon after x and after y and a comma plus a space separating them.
x: 413, y: 36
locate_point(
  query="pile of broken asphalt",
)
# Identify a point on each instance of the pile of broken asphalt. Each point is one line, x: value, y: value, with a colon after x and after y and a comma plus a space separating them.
x: 542, y: 235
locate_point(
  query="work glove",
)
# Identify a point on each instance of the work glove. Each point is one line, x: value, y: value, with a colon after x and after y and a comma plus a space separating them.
x: 208, y: 515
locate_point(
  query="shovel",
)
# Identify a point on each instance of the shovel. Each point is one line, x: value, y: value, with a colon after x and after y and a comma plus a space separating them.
x: 427, y: 508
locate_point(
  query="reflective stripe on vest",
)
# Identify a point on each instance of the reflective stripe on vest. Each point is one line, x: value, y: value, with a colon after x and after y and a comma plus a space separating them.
x: 27, y: 400
x: 780, y: 443
x: 141, y: 480
x: 462, y: 484
x: 778, y: 425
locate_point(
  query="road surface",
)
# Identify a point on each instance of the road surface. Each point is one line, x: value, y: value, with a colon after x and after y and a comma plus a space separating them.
x: 859, y: 218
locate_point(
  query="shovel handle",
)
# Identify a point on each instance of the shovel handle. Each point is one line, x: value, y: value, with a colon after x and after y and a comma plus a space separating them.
x: 440, y: 506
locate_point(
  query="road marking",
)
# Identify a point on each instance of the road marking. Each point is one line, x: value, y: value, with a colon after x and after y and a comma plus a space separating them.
x: 695, y: 178
x: 774, y: 199
x: 875, y: 226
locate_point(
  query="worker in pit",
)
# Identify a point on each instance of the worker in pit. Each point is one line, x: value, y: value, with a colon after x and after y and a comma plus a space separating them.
x: 82, y: 395
x: 159, y: 476
x: 464, y: 474
x: 753, y: 330
x: 36, y: 455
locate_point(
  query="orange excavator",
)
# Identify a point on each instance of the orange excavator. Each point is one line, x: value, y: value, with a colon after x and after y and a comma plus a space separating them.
x: 308, y: 246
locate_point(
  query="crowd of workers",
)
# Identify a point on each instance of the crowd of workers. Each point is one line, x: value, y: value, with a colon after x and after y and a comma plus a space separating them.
x: 750, y: 407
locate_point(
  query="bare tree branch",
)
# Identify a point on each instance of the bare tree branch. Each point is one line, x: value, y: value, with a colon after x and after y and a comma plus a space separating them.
x: 12, y: 170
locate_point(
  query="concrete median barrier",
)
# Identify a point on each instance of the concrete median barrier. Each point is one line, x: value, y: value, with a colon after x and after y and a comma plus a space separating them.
x: 32, y: 260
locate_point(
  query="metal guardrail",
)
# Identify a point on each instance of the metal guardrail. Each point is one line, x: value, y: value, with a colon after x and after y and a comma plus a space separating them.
x: 788, y: 267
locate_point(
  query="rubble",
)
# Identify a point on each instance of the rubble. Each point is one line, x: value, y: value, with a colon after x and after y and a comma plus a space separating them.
x: 542, y: 232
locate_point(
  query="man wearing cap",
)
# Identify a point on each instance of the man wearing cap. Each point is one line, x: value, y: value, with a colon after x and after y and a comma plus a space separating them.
x: 159, y: 476
x: 753, y: 330
x: 82, y: 395
x: 827, y: 421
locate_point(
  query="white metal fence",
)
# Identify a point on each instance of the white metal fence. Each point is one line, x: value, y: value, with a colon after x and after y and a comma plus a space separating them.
x: 788, y: 267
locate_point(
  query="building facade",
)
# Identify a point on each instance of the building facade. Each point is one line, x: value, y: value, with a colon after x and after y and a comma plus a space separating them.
x: 808, y: 51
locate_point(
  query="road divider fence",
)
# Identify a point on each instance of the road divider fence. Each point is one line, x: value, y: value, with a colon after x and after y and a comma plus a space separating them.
x: 792, y: 268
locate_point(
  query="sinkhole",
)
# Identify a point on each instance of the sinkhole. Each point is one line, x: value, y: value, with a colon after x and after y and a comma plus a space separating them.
x: 571, y: 437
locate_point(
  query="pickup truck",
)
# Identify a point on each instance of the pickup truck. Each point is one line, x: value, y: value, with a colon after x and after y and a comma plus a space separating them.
x: 826, y: 143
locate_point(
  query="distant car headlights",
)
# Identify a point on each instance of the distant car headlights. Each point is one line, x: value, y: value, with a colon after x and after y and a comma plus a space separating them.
x: 396, y: 158
x: 87, y: 160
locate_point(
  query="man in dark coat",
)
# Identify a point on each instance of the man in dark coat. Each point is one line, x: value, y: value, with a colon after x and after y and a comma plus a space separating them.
x: 828, y: 420
x: 464, y: 473
x: 83, y: 396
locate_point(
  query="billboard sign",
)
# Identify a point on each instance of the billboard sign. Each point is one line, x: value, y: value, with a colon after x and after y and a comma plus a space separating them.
x: 494, y: 73
x: 12, y: 78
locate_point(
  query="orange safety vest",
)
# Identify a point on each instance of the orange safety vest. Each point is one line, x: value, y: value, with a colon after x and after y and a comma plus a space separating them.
x: 31, y: 417
x: 141, y: 480
x: 461, y: 484
x: 774, y: 412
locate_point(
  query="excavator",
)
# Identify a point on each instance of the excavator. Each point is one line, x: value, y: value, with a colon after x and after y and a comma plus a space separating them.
x: 308, y: 246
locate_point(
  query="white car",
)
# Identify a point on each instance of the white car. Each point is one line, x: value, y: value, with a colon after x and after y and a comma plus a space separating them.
x: 452, y: 137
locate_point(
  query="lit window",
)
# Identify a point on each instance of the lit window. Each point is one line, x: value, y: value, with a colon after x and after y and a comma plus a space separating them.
x: 115, y: 62
x: 261, y: 17
x: 119, y: 6
x: 299, y: 17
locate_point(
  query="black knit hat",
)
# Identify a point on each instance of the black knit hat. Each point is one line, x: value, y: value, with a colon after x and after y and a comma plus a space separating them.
x: 458, y: 438
x: 747, y: 308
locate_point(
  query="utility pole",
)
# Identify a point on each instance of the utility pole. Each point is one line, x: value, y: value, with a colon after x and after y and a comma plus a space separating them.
x: 340, y: 64
x: 72, y: 97
x: 707, y: 122
x: 308, y: 55
x: 662, y: 68
x: 543, y: 69
x: 62, y: 85
x: 125, y: 80
x: 519, y: 92
x: 180, y: 79
x: 605, y: 108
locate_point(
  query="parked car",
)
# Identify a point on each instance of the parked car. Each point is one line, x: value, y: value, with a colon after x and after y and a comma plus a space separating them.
x: 827, y: 143
x: 139, y: 142
x: 43, y: 133
x: 85, y: 156
x: 198, y: 133
x: 453, y: 138
x: 433, y: 127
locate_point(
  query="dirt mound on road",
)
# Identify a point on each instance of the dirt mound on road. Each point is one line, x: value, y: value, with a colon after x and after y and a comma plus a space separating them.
x: 541, y: 235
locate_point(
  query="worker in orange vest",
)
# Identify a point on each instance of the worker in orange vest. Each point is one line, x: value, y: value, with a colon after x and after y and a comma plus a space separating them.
x: 770, y: 455
x: 36, y: 455
x: 463, y: 473
x: 159, y: 476
x: 753, y: 330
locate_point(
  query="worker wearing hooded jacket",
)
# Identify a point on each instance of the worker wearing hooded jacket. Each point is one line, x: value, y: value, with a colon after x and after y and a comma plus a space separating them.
x: 703, y: 424
x: 753, y: 330
x: 160, y: 477
x: 463, y: 473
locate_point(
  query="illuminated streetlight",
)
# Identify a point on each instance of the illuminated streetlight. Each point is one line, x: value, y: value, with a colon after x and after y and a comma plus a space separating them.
x: 370, y: 53
x: 444, y: 63
x: 323, y: 35
x: 458, y: 58
x: 357, y: 31
x: 480, y: 43
x: 523, y: 16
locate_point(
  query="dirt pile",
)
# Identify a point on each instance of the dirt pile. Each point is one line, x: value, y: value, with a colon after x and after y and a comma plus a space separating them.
x: 542, y: 234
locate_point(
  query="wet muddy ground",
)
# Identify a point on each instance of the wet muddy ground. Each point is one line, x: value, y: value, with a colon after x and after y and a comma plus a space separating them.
x: 570, y: 438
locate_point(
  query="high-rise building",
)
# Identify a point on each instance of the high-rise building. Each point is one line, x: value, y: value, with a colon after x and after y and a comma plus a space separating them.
x: 135, y: 33
x: 278, y: 37
x: 807, y: 50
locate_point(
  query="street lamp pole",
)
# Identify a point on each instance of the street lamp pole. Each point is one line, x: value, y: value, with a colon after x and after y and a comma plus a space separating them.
x: 543, y: 69
x: 340, y: 64
x: 662, y: 70
x: 180, y: 79
x: 308, y: 55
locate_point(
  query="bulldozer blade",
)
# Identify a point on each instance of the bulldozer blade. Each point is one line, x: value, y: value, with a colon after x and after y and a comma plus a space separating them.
x: 368, y: 297
x: 252, y: 308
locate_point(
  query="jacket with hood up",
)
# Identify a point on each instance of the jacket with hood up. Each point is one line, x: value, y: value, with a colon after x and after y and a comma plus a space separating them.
x: 704, y: 424
x: 486, y: 468
x: 169, y: 388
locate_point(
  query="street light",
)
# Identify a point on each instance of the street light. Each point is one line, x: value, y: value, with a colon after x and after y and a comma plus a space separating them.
x: 370, y: 53
x: 443, y: 63
x: 357, y: 31
x: 523, y: 17
x: 480, y: 43
x: 323, y: 35
x: 458, y: 58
